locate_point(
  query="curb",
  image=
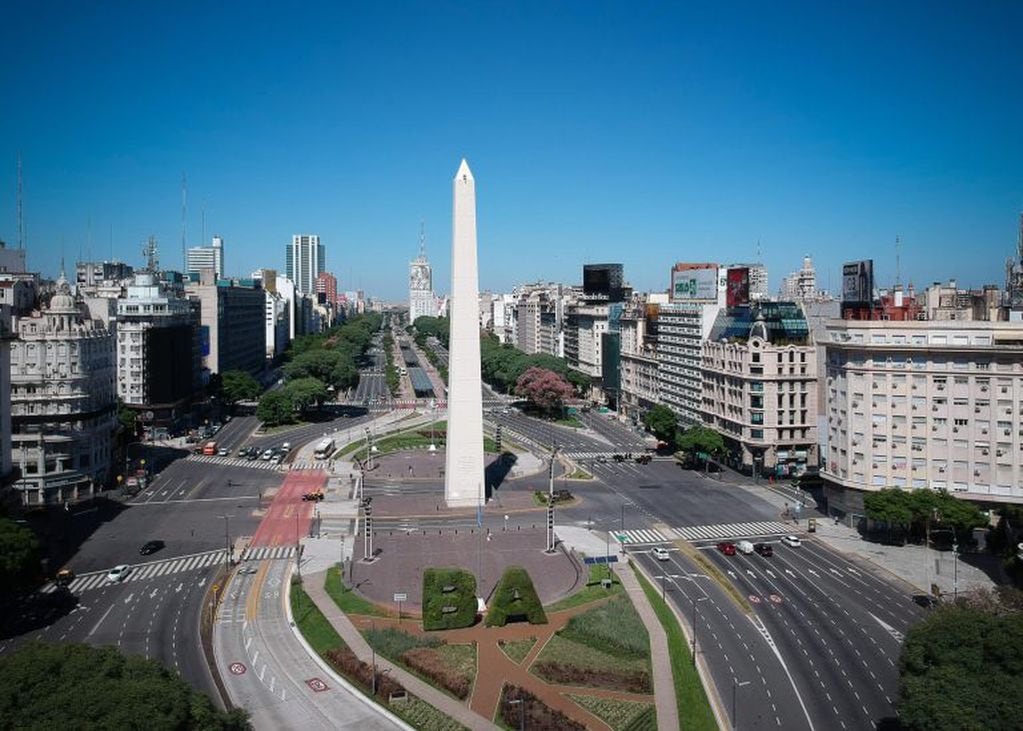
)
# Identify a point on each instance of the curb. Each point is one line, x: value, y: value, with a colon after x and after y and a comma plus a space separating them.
x: 360, y: 696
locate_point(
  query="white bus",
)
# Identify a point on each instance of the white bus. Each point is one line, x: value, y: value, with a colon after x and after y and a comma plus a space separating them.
x: 325, y: 448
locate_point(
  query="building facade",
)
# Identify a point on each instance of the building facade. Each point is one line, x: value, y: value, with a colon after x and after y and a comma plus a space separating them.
x: 6, y: 337
x: 639, y: 386
x: 233, y: 325
x: 326, y: 288
x: 421, y: 301
x: 159, y: 363
x: 759, y: 389
x: 305, y: 260
x: 210, y: 257
x: 924, y: 405
x: 63, y: 402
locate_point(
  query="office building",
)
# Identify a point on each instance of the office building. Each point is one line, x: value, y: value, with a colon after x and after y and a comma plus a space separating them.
x: 305, y: 259
x: 326, y: 289
x: 6, y: 337
x: 93, y: 274
x: 758, y: 285
x: 604, y: 282
x: 421, y: 300
x: 159, y: 363
x: 63, y: 402
x: 759, y: 388
x: 924, y: 405
x: 801, y: 285
x: 232, y: 325
x: 12, y: 261
x: 640, y: 387
x: 210, y: 257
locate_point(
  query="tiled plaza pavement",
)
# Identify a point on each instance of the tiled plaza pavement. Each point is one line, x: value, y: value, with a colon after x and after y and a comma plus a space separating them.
x: 402, y: 558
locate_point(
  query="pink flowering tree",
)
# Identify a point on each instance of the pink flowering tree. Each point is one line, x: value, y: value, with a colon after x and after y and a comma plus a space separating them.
x: 543, y: 388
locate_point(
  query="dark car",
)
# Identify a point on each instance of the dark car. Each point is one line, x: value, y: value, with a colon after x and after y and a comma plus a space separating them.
x: 763, y: 549
x: 151, y: 547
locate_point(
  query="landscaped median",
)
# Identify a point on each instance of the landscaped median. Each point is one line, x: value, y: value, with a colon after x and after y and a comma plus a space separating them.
x: 420, y: 437
x: 326, y: 642
x: 694, y: 709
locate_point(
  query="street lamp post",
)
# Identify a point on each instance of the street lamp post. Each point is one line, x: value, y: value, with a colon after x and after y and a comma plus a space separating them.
x: 521, y: 703
x: 736, y: 684
x: 227, y: 541
x: 695, y: 600
x: 955, y: 571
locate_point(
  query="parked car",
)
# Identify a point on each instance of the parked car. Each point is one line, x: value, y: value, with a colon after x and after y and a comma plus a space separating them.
x: 223, y: 452
x: 151, y: 547
x: 792, y: 541
x: 268, y: 455
x: 764, y: 549
x: 727, y: 548
x: 243, y: 452
x: 661, y: 554
x: 118, y: 572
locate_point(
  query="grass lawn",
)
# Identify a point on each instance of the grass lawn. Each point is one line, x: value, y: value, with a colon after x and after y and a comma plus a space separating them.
x: 418, y: 438
x: 618, y: 714
x: 579, y: 474
x: 693, y: 707
x: 422, y: 716
x: 347, y: 600
x: 578, y: 654
x: 314, y: 626
x: 589, y: 593
x: 613, y: 627
x: 516, y: 650
x: 269, y: 431
x: 460, y: 658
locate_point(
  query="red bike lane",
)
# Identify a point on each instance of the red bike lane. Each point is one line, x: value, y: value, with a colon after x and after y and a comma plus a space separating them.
x: 289, y: 516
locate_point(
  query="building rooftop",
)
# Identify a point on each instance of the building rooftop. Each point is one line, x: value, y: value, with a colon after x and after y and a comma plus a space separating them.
x: 783, y: 322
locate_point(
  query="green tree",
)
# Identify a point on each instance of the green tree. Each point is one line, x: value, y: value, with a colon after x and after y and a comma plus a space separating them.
x: 19, y: 555
x: 126, y: 417
x: 77, y: 686
x: 702, y: 439
x: 275, y: 407
x: 306, y: 392
x: 961, y: 668
x: 239, y: 386
x: 662, y: 422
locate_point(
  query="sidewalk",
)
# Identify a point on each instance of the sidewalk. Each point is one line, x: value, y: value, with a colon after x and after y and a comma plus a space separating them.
x: 660, y: 659
x: 313, y: 585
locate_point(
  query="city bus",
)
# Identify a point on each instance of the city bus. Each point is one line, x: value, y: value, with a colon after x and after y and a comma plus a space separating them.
x: 210, y: 448
x: 325, y: 448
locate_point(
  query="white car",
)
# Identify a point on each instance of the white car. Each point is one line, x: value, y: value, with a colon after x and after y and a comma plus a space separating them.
x: 118, y: 572
x: 792, y: 541
x: 661, y: 554
x: 268, y: 455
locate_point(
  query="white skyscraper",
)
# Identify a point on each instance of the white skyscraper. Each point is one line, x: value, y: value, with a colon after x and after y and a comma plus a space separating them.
x: 463, y: 476
x: 305, y: 261
x: 420, y: 285
x: 206, y: 257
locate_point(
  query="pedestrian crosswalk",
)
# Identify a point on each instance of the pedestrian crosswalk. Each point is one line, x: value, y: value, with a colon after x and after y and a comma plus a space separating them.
x: 143, y: 571
x: 721, y: 531
x: 731, y: 530
x: 255, y: 464
x: 310, y: 464
x: 258, y: 553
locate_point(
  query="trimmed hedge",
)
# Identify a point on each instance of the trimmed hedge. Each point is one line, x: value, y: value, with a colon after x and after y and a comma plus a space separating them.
x: 463, y: 598
x: 515, y: 598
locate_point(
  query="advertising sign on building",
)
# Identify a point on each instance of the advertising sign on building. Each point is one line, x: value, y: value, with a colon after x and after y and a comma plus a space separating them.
x: 858, y: 281
x: 694, y: 284
x: 738, y: 287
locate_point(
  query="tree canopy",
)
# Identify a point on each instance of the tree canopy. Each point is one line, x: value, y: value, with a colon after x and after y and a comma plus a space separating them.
x: 239, y: 386
x: 275, y: 407
x: 961, y: 668
x: 702, y: 439
x: 306, y: 392
x: 46, y: 685
x: 662, y: 422
x: 543, y: 388
x: 437, y: 327
x: 19, y: 555
x: 922, y: 509
x: 503, y: 364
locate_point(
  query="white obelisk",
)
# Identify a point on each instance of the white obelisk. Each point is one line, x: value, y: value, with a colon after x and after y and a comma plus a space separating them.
x: 463, y: 476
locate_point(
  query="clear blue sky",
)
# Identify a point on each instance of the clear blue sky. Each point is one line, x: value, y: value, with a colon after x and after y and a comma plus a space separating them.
x: 645, y: 133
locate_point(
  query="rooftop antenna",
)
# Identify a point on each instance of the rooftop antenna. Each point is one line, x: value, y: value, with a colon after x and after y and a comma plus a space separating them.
x: 204, y: 223
x: 422, y: 239
x: 760, y: 258
x: 88, y: 240
x: 21, y: 215
x: 111, y: 242
x: 184, y: 201
x: 149, y: 251
x: 898, y: 263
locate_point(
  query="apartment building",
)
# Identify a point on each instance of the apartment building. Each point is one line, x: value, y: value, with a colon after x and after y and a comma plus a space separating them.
x: 639, y: 389
x: 759, y: 378
x: 233, y: 321
x: 63, y: 402
x: 6, y: 337
x: 924, y: 405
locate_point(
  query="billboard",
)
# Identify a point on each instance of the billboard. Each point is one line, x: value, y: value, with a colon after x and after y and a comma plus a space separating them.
x: 858, y: 282
x: 738, y: 287
x: 694, y: 285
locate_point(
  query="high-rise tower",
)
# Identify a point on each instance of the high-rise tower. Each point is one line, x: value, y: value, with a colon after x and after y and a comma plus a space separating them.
x: 420, y: 284
x: 463, y: 476
x: 305, y: 259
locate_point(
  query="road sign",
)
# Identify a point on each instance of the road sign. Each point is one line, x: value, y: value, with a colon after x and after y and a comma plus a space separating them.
x: 237, y: 668
x: 600, y: 559
x: 401, y: 597
x: 317, y: 685
x: 622, y: 538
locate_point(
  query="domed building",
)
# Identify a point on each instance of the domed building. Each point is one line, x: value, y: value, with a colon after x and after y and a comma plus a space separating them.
x: 63, y: 401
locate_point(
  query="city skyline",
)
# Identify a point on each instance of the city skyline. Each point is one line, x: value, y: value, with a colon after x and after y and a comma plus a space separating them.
x: 748, y: 129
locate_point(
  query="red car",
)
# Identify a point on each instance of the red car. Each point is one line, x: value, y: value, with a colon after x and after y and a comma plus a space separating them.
x: 727, y: 548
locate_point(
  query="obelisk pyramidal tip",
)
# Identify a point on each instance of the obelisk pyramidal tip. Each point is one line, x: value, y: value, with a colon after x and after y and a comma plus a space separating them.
x: 463, y: 475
